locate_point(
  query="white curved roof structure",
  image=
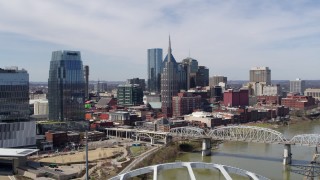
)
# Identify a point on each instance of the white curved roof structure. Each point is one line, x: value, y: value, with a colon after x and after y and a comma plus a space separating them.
x: 225, y: 170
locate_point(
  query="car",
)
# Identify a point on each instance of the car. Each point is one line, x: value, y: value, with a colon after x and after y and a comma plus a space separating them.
x: 59, y: 170
x: 53, y: 165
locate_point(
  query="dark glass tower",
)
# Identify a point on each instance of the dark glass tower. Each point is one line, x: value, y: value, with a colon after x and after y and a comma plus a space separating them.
x: 66, y: 86
x: 169, y: 82
x: 154, y: 69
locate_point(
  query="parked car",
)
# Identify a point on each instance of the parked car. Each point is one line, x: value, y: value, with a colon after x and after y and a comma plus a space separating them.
x: 59, y: 170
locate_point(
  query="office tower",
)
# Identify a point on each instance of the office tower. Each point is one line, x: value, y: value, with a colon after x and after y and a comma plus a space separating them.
x: 182, y: 76
x: 215, y: 80
x: 16, y: 130
x: 86, y: 78
x: 202, y: 76
x: 154, y: 69
x: 191, y: 69
x: 129, y: 95
x: 298, y: 86
x: 169, y: 82
x: 66, y: 86
x: 260, y: 75
x: 140, y: 82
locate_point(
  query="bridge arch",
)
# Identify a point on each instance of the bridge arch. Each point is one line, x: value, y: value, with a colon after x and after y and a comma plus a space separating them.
x: 306, y: 140
x: 145, y: 135
x: 187, y: 132
x: 226, y: 171
x: 247, y: 134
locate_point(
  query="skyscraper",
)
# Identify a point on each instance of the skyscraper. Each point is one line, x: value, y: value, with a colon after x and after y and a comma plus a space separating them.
x: 66, y: 86
x: 86, y: 77
x: 154, y: 69
x: 169, y: 82
x: 260, y: 75
x: 298, y: 86
x: 191, y: 68
x: 202, y: 78
x: 16, y: 130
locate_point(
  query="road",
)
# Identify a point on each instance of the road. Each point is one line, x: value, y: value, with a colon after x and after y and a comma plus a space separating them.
x: 139, y: 159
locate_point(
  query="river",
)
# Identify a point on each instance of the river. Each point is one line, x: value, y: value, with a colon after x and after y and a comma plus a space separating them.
x: 263, y: 159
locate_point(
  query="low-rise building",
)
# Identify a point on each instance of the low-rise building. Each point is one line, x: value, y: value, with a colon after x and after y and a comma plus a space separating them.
x: 296, y: 101
x: 185, y: 103
x: 58, y: 138
x: 203, y: 119
x: 269, y: 100
x: 95, y: 135
x: 234, y: 98
x: 314, y: 92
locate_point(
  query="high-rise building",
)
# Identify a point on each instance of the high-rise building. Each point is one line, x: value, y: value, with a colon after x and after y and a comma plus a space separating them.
x: 16, y: 130
x: 202, y: 77
x: 215, y: 80
x: 154, y: 69
x: 182, y: 76
x: 298, y: 86
x: 66, y: 86
x: 86, y: 78
x: 260, y: 75
x: 140, y: 82
x: 191, y: 68
x: 129, y: 95
x: 169, y: 82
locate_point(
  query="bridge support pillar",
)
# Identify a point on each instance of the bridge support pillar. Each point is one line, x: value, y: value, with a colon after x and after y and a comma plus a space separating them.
x: 206, y: 147
x: 287, y: 155
x: 152, y: 140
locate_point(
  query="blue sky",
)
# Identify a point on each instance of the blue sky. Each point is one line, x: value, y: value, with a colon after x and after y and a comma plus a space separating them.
x: 229, y: 37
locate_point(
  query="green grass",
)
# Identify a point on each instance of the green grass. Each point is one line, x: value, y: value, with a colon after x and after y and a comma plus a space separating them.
x: 137, y: 150
x: 263, y: 125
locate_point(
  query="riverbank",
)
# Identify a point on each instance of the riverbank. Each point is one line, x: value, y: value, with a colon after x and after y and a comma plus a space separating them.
x: 275, y: 125
x: 169, y: 153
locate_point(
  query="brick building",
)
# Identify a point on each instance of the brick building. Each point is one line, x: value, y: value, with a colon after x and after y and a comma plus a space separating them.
x: 296, y: 101
x: 58, y: 138
x: 269, y: 100
x: 233, y: 98
x: 185, y: 103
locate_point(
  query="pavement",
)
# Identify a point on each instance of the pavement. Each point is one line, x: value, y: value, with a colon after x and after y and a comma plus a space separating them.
x: 5, y: 177
x: 139, y: 159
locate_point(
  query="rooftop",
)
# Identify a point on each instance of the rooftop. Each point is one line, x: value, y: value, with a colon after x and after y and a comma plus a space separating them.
x: 4, y: 152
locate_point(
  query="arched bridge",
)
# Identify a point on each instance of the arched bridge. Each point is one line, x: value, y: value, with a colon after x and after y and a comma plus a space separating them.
x: 247, y: 134
x: 191, y: 132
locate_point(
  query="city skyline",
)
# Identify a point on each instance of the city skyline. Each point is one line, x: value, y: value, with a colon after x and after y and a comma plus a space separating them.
x: 227, y: 37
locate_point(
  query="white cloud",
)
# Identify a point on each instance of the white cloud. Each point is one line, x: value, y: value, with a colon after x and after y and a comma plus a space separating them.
x: 227, y: 36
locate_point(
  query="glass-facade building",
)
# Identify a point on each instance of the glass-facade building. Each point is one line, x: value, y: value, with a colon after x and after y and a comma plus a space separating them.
x: 14, y: 94
x: 66, y: 86
x: 154, y: 69
x: 16, y: 129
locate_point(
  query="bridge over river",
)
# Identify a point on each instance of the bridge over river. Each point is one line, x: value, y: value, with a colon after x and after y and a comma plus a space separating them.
x: 227, y: 133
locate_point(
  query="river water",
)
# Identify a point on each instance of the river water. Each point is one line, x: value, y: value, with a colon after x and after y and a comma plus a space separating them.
x: 263, y: 159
